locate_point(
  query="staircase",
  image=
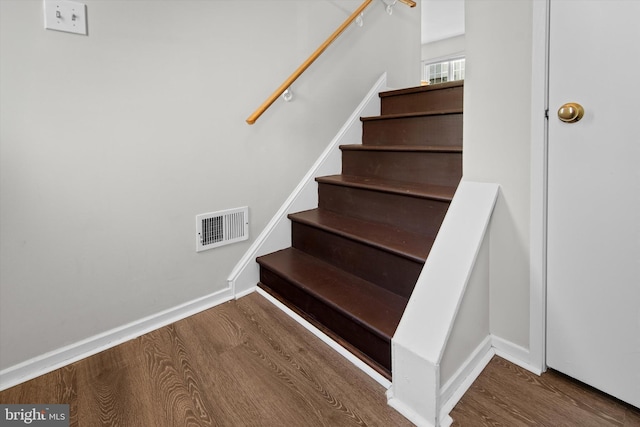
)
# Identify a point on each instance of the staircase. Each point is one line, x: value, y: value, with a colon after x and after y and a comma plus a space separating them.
x: 354, y: 260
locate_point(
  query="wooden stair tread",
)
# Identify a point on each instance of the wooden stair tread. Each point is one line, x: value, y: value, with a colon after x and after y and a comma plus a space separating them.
x: 412, y: 115
x: 426, y: 88
x: 404, y: 148
x: 367, y: 304
x: 392, y: 239
x: 421, y: 190
x: 354, y: 260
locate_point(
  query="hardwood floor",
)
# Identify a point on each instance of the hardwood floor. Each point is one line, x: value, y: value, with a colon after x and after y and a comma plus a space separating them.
x: 507, y: 395
x: 245, y: 363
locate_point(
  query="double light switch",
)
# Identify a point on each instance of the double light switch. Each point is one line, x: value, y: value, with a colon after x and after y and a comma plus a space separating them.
x: 64, y: 15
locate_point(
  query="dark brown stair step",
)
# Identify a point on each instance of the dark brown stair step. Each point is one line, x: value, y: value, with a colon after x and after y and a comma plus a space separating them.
x: 421, y: 88
x: 423, y: 98
x: 404, y: 148
x: 368, y: 304
x: 423, y: 128
x: 420, y: 208
x: 414, y: 189
x: 412, y: 114
x: 385, y: 237
x: 420, y: 166
x: 386, y: 256
x: 361, y: 313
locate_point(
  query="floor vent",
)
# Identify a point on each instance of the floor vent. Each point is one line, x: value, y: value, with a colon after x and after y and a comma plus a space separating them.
x: 221, y: 228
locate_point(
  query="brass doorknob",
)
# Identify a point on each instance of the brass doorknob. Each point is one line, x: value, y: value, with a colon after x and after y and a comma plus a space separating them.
x: 570, y: 112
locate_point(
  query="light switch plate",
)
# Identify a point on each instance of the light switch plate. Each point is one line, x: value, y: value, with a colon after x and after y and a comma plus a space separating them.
x: 64, y: 15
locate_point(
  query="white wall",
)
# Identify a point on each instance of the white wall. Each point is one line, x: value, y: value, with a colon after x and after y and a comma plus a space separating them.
x: 497, y: 145
x: 112, y: 143
x: 471, y: 324
x: 443, y: 49
x: 442, y: 19
x: 443, y: 30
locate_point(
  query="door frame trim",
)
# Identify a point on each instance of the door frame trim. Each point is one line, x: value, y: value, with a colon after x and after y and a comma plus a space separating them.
x: 539, y: 175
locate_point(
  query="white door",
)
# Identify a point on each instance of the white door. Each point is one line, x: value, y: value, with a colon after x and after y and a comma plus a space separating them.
x: 593, y: 282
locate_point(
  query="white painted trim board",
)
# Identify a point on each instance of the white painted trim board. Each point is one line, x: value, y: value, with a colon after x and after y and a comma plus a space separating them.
x: 538, y: 207
x: 277, y: 234
x: 66, y: 355
x: 461, y: 381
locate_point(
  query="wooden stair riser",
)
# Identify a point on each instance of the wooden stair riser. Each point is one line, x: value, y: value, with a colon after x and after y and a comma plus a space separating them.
x: 431, y: 168
x: 443, y: 129
x: 422, y: 100
x: 355, y: 259
x: 330, y: 319
x: 393, y: 272
x: 419, y: 215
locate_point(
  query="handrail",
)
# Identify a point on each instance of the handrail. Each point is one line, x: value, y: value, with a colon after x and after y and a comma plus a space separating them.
x: 294, y: 76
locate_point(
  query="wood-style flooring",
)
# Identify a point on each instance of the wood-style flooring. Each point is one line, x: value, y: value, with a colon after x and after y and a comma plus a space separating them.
x: 245, y: 363
x: 242, y: 363
x: 507, y: 395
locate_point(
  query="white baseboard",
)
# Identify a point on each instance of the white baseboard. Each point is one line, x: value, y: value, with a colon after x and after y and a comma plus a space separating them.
x: 457, y: 386
x: 445, y: 421
x: 327, y: 340
x: 246, y: 292
x: 66, y: 355
x: 453, y: 390
x: 514, y: 353
x: 407, y: 411
x: 461, y: 381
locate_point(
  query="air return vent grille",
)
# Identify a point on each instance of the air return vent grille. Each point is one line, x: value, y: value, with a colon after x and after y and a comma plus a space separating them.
x: 221, y: 228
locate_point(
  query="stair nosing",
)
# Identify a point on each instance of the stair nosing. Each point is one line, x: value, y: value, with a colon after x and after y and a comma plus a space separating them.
x: 415, y: 114
x: 336, y: 295
x: 403, y: 148
x: 389, y: 186
x: 296, y: 217
x: 333, y: 304
x: 419, y: 89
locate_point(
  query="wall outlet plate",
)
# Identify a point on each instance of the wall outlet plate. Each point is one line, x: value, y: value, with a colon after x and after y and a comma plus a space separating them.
x: 64, y: 15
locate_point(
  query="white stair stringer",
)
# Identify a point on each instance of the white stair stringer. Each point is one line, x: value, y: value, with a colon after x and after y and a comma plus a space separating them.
x: 444, y: 334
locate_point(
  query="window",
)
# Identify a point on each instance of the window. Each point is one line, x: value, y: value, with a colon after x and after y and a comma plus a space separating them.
x: 446, y: 71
